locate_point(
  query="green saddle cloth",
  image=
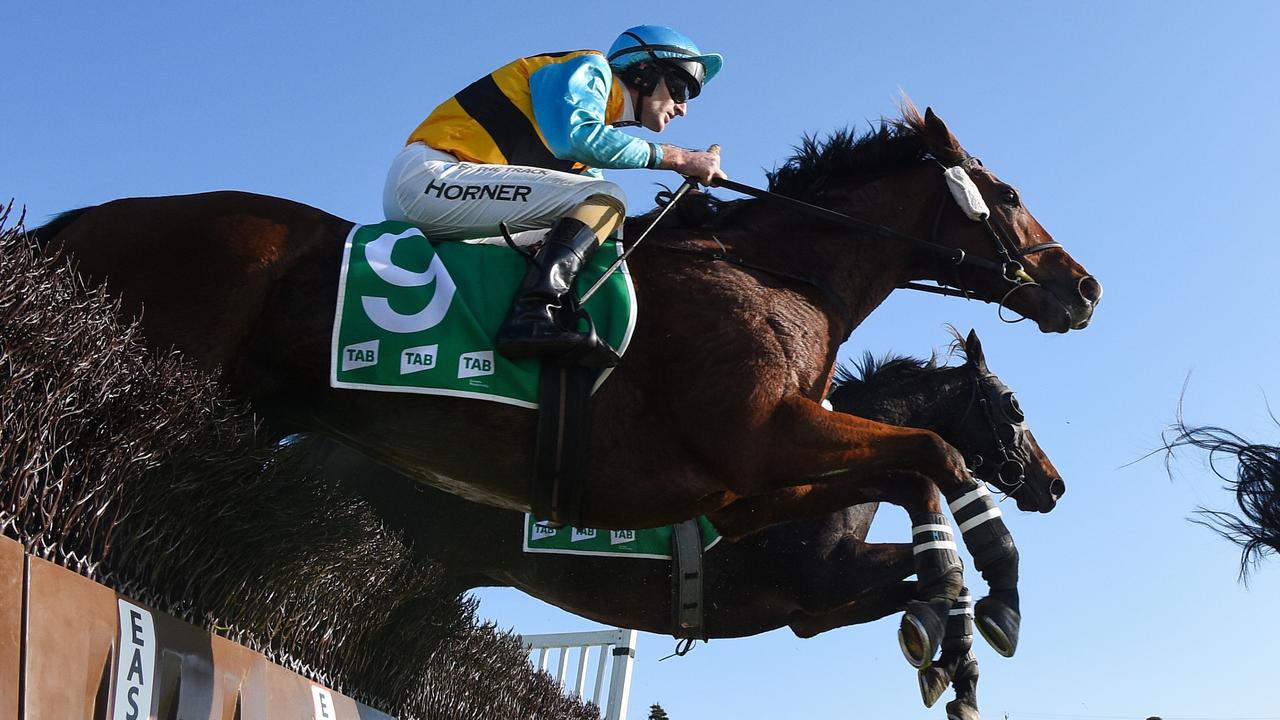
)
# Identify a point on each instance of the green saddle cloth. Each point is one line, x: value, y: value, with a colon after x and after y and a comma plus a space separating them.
x: 417, y: 316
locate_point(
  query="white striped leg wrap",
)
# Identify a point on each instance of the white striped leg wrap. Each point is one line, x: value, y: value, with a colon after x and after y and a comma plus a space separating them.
x: 959, y: 633
x: 964, y: 604
x: 934, y: 547
x: 981, y: 525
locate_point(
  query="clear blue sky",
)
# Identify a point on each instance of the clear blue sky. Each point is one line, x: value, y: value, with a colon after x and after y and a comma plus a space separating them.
x: 1143, y: 136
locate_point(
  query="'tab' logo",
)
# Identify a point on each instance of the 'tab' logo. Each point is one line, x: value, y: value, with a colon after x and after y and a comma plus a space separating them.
x: 542, y: 531
x: 475, y: 364
x: 417, y: 359
x: 360, y: 355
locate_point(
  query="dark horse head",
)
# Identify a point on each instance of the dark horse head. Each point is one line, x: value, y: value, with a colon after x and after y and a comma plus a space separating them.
x: 969, y: 406
x: 989, y: 246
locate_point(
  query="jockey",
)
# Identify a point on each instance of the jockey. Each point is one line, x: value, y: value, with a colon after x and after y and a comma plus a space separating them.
x: 523, y: 145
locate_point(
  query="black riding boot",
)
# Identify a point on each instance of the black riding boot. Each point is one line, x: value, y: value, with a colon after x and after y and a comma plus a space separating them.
x: 532, y: 326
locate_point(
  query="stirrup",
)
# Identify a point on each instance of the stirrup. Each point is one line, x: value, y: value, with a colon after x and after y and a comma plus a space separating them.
x: 592, y: 351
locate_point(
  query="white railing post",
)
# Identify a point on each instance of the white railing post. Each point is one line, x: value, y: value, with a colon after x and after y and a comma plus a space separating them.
x: 624, y: 655
x: 617, y: 648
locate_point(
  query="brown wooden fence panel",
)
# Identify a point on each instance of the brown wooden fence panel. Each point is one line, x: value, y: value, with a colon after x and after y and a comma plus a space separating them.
x: 92, y: 654
x: 11, y: 584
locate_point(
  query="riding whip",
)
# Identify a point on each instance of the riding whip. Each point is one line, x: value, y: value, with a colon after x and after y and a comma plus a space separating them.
x: 688, y: 184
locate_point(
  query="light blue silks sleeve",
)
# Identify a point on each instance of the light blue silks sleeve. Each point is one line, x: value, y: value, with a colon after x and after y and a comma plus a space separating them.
x: 569, y: 100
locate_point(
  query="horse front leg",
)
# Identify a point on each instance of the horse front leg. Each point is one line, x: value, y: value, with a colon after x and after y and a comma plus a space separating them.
x: 826, y: 461
x: 957, y: 665
x: 996, y: 557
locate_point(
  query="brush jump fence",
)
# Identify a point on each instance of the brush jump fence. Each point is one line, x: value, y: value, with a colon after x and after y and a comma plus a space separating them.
x: 617, y: 645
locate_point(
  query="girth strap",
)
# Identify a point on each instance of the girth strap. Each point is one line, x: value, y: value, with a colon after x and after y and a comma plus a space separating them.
x: 686, y: 581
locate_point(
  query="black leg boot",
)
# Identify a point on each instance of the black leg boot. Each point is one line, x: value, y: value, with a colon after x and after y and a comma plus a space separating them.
x: 533, y: 326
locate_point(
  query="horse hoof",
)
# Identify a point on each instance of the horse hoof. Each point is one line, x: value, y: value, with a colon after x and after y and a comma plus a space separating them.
x: 998, y: 623
x: 920, y: 634
x: 933, y: 683
x: 957, y: 710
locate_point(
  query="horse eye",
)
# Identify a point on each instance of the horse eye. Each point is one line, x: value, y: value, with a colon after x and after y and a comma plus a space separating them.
x: 1012, y: 408
x: 1009, y: 197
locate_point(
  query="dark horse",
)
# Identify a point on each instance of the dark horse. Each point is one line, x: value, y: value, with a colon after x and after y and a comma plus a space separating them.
x: 812, y: 575
x: 715, y: 409
x: 1256, y: 485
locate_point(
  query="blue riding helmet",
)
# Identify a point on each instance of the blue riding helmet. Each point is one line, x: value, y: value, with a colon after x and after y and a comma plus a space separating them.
x: 668, y: 48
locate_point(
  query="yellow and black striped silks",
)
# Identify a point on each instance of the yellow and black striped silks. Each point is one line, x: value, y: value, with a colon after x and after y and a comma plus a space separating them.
x: 492, y: 120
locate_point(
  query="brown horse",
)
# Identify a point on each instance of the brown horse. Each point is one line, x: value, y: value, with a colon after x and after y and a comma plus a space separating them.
x: 812, y: 575
x: 714, y: 409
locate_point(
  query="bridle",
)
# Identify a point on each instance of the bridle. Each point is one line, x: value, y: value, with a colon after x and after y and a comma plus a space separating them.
x: 1008, y: 267
x: 1010, y: 253
x: 1008, y: 427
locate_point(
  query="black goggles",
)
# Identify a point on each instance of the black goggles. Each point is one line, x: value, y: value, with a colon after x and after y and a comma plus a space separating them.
x: 683, y: 84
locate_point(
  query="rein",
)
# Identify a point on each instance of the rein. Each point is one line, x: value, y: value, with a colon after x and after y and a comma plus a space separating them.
x: 970, y: 200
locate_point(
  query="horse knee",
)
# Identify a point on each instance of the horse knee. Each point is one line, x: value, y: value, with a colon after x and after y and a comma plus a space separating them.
x: 948, y: 462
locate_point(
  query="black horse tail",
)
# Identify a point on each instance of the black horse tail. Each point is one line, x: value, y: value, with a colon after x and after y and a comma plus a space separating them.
x: 47, y: 232
x: 1256, y: 485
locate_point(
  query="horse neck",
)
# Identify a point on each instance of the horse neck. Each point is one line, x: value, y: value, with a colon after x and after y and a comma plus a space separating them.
x: 858, y: 269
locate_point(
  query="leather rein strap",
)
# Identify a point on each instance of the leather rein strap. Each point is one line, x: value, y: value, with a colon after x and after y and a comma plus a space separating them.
x: 1010, y: 269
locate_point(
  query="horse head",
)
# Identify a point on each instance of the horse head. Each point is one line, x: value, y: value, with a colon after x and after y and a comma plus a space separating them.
x: 921, y: 207
x: 995, y: 439
x: 1037, y: 278
x: 969, y: 407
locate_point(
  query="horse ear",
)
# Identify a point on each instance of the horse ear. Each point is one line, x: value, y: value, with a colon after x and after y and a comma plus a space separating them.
x: 942, y: 143
x: 973, y: 349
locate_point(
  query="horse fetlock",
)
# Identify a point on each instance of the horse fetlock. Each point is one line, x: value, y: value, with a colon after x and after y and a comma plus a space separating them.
x: 1000, y: 568
x: 959, y: 633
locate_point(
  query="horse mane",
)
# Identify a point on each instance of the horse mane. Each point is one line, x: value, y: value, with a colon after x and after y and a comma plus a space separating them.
x: 871, y: 371
x: 848, y: 155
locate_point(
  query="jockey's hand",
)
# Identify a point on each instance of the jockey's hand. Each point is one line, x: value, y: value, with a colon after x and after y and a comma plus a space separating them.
x: 697, y: 165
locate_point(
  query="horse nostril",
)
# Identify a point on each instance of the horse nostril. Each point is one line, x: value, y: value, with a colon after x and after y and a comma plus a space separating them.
x: 1058, y: 488
x: 1090, y: 289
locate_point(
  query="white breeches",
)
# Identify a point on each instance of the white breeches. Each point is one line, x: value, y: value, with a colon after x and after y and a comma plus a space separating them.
x: 459, y: 200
